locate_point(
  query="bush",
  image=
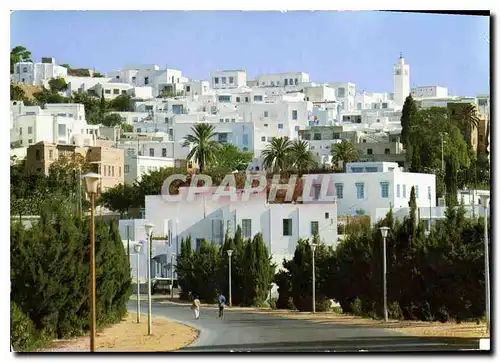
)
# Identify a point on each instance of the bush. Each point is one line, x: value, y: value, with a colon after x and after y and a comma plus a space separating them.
x: 337, y: 310
x: 356, y: 307
x: 395, y: 311
x: 50, y: 274
x: 323, y: 305
x: 23, y: 334
x: 272, y: 303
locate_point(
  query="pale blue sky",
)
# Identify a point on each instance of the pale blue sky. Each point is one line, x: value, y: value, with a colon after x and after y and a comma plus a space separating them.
x: 360, y: 47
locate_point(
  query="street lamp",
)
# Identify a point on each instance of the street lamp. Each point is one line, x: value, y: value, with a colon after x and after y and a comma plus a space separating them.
x: 149, y: 234
x: 128, y: 244
x: 172, y: 275
x: 313, y: 249
x: 384, y: 230
x: 229, y: 253
x: 484, y: 201
x: 91, y: 186
x: 137, y: 250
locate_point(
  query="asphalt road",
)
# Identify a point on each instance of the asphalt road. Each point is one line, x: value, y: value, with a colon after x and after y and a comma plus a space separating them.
x: 251, y: 332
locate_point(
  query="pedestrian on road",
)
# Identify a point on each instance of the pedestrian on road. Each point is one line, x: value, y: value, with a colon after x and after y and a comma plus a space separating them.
x: 196, y: 307
x: 222, y: 304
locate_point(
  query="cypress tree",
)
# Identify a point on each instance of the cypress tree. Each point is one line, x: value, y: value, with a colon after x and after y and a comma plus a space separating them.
x: 451, y: 181
x: 102, y: 107
x: 408, y: 113
x: 264, y: 270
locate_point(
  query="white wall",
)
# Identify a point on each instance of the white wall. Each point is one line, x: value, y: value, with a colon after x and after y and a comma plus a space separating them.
x: 135, y: 167
x: 345, y: 93
x: 222, y: 79
x: 112, y: 90
x: 82, y: 84
x: 37, y: 73
x: 320, y: 94
x: 197, y: 218
x: 349, y: 203
x: 141, y: 92
x: 131, y: 147
x: 282, y: 79
x: 429, y: 91
x: 71, y: 110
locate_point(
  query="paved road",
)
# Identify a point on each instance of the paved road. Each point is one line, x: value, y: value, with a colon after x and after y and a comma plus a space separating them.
x: 251, y: 332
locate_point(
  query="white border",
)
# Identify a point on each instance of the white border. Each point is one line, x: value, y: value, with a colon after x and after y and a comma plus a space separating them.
x: 182, y: 5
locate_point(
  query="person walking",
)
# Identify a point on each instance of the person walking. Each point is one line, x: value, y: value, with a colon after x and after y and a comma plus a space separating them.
x: 196, y: 307
x: 222, y: 304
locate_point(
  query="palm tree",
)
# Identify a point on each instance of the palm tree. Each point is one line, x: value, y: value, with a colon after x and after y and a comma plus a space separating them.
x: 345, y: 152
x: 276, y: 155
x: 300, y: 156
x: 470, y: 119
x: 202, y: 146
x: 19, y: 54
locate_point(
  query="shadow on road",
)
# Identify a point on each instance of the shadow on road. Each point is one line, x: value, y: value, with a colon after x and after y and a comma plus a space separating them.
x: 368, y: 344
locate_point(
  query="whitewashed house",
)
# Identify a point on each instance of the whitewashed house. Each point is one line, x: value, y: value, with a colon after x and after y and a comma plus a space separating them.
x: 208, y: 218
x: 57, y: 123
x: 366, y: 187
x: 433, y: 91
x: 282, y: 79
x: 228, y: 79
x: 38, y: 73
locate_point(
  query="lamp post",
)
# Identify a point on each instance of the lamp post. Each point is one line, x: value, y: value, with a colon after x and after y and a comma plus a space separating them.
x: 91, y: 186
x: 172, y: 275
x: 229, y: 253
x: 484, y: 201
x: 128, y: 244
x: 149, y: 234
x: 137, y: 249
x: 313, y: 249
x: 442, y: 134
x: 384, y: 230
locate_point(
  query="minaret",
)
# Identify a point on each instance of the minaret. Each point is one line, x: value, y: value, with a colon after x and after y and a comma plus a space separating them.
x: 401, y: 81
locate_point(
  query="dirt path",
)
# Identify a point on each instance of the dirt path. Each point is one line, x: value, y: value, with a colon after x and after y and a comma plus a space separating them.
x: 128, y: 336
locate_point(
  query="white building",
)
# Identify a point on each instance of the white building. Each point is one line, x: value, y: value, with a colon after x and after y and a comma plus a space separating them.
x: 282, y: 79
x: 38, y: 73
x: 31, y: 129
x: 57, y: 123
x: 137, y: 166
x: 401, y: 81
x: 206, y: 218
x: 320, y: 94
x: 225, y: 79
x: 82, y: 84
x: 113, y: 90
x: 133, y: 232
x: 345, y: 93
x: 368, y: 186
x: 429, y: 92
x: 150, y: 76
x: 196, y: 88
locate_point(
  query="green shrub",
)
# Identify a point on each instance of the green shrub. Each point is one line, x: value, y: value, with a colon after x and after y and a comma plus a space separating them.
x: 356, y: 307
x: 395, y: 311
x: 24, y: 336
x: 323, y: 305
x: 272, y: 303
x: 337, y: 310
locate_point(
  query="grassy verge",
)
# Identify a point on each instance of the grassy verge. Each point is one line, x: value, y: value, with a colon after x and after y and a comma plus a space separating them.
x: 128, y: 336
x: 412, y: 328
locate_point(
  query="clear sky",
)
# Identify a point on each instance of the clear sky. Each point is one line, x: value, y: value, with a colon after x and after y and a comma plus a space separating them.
x: 360, y: 47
